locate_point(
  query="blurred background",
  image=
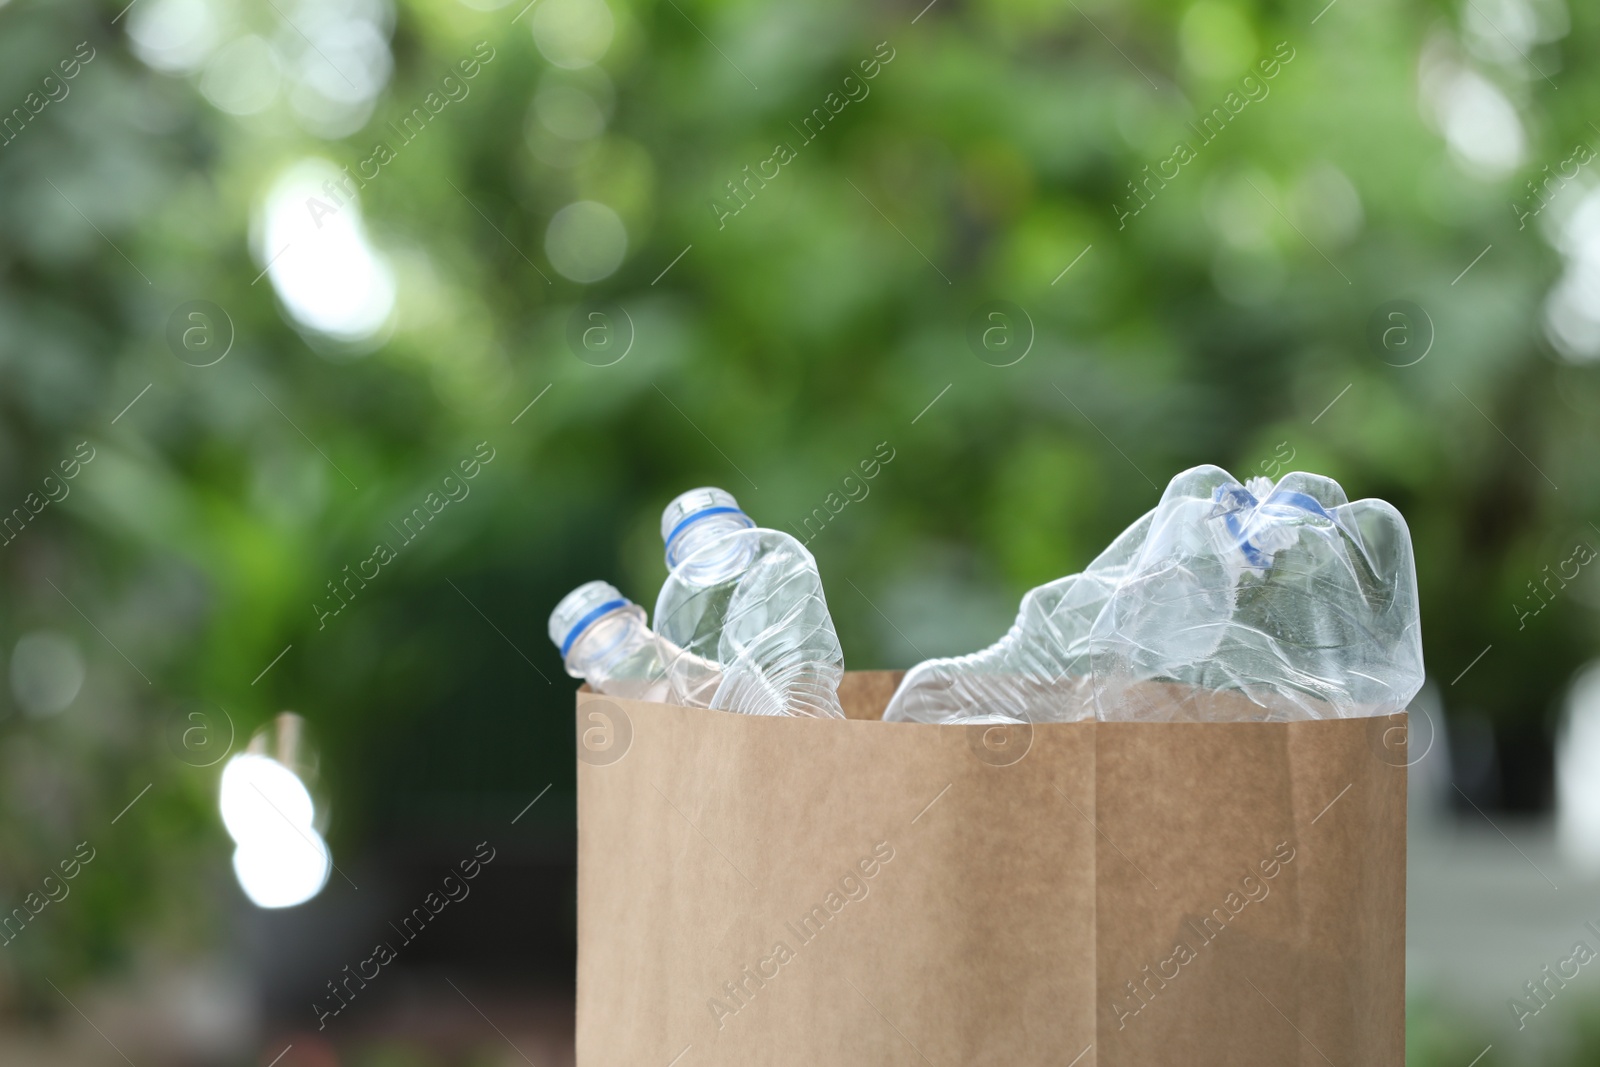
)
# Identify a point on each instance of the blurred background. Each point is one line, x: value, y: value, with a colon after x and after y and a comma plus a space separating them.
x: 488, y: 284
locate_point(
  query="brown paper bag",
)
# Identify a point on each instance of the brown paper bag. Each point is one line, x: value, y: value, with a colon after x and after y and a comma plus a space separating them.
x: 761, y: 891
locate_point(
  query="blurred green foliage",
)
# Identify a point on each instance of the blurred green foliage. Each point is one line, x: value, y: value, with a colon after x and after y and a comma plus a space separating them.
x: 1227, y: 322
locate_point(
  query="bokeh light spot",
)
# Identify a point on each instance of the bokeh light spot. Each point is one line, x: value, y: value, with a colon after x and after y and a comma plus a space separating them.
x: 47, y: 670
x: 586, y: 241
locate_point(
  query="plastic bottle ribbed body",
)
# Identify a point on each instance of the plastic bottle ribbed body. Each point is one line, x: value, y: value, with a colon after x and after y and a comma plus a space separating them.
x: 1037, y: 672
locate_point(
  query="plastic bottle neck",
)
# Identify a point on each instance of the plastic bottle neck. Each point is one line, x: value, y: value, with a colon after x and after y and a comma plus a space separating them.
x: 697, y: 541
x: 1262, y: 519
x: 609, y: 639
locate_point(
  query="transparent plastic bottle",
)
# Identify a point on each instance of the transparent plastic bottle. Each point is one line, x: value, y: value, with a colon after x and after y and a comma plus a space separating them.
x: 1286, y: 593
x: 750, y: 600
x: 1037, y: 672
x: 604, y: 640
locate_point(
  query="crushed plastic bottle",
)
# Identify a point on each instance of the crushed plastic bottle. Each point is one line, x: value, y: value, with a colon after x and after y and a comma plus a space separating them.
x: 604, y: 640
x: 750, y: 600
x: 1287, y: 593
x: 1037, y: 672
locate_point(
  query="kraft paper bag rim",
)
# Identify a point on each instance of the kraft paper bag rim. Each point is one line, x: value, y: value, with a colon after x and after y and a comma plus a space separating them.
x: 758, y: 890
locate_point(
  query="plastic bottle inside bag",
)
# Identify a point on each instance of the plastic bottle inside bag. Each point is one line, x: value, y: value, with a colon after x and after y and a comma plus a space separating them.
x: 1037, y: 672
x: 604, y: 640
x: 1287, y: 593
x: 749, y: 600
